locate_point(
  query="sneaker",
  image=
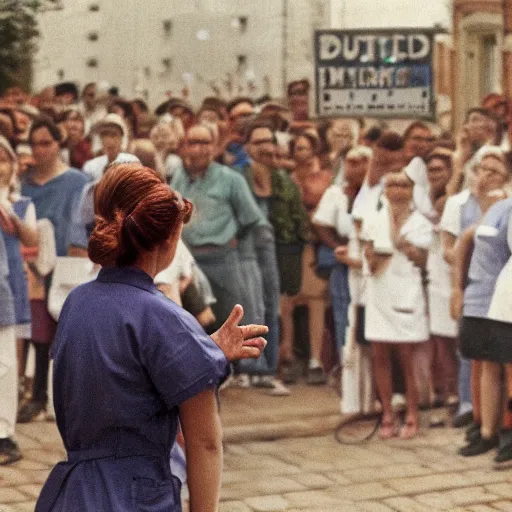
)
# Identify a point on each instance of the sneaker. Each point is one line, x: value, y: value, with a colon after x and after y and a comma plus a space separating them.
x: 479, y: 447
x: 288, y: 372
x: 463, y: 420
x: 262, y: 381
x: 32, y: 411
x: 9, y: 451
x: 503, y: 459
x: 242, y: 380
x: 452, y: 401
x: 472, y: 431
x: 316, y: 376
x: 279, y: 389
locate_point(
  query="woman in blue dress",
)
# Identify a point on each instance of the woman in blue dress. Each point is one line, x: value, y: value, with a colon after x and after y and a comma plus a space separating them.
x: 128, y: 363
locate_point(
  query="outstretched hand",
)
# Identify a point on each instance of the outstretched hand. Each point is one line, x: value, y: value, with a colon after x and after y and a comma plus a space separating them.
x: 240, y: 342
x: 7, y: 221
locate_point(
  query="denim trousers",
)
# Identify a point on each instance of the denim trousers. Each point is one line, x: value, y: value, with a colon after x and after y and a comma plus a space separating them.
x: 267, y: 263
x: 340, y: 299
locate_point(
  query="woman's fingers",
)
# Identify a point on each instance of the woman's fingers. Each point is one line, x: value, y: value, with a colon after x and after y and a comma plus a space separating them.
x: 235, y: 316
x: 259, y: 343
x: 252, y: 349
x: 253, y: 330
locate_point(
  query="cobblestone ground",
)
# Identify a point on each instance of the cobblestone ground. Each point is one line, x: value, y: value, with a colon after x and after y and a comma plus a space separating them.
x: 318, y: 474
x: 305, y: 474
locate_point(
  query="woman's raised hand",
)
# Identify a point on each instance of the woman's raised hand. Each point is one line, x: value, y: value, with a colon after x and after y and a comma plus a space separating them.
x: 240, y: 342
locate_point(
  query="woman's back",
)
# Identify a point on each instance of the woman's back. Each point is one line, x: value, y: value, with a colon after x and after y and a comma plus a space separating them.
x: 122, y: 346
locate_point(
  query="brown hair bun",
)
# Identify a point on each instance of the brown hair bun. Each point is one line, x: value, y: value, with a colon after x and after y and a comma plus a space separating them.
x: 135, y: 212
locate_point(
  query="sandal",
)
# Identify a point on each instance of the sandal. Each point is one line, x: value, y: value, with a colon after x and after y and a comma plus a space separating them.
x: 409, y: 430
x: 387, y: 430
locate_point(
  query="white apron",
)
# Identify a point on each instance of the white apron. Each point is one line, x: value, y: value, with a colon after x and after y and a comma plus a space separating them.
x: 396, y: 308
x: 439, y: 290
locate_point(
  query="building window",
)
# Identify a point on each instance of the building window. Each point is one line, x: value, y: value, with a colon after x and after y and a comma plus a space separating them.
x: 92, y: 62
x: 167, y: 25
x: 167, y: 65
x: 60, y: 74
x: 94, y: 7
x: 93, y: 36
x: 241, y: 60
x: 241, y: 23
x: 489, y: 64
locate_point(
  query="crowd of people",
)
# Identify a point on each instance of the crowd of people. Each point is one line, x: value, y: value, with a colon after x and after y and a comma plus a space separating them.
x: 378, y: 260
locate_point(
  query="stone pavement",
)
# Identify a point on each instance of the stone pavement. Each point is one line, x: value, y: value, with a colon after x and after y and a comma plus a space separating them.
x: 269, y: 468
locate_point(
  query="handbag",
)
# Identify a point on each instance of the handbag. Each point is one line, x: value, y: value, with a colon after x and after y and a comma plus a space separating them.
x: 325, y: 261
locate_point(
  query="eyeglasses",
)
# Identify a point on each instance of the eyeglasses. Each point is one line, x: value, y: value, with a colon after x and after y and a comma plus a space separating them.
x: 490, y: 170
x: 199, y: 142
x: 418, y: 138
x: 261, y: 141
x: 42, y: 143
x: 436, y: 168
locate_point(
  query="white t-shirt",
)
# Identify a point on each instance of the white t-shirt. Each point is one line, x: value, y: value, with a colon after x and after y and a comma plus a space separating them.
x: 416, y: 170
x: 172, y: 162
x: 181, y: 266
x: 333, y: 211
x: 96, y: 166
x: 439, y: 290
x: 501, y: 304
x: 451, y: 218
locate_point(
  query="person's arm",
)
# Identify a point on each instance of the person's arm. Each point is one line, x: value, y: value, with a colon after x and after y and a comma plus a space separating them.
x: 376, y: 261
x: 246, y: 210
x: 328, y: 236
x: 202, y: 431
x: 82, y: 216
x: 27, y: 233
x: 460, y: 269
x: 448, y: 243
x: 341, y: 254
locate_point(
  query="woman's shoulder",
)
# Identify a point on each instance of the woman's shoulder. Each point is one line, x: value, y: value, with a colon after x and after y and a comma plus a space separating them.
x: 75, y: 176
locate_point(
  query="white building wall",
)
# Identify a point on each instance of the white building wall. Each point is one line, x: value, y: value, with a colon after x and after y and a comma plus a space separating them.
x: 133, y: 45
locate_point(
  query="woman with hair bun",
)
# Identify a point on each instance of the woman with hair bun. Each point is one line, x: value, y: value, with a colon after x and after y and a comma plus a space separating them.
x: 129, y: 363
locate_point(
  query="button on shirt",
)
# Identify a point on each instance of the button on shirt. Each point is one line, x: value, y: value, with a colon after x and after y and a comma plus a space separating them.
x: 224, y: 207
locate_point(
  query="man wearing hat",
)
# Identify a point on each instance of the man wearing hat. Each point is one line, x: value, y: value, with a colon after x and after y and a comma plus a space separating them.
x: 111, y: 130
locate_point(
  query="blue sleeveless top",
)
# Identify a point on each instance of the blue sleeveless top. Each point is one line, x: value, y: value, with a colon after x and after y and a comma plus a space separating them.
x: 7, y: 316
x: 17, y: 276
x: 490, y: 255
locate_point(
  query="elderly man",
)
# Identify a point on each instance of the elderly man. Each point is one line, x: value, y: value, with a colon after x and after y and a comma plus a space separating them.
x: 225, y: 214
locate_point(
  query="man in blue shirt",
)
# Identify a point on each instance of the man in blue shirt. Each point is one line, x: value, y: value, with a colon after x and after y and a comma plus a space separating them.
x: 225, y: 213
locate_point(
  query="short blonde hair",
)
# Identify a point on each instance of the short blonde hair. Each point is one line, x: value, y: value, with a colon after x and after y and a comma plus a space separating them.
x: 359, y: 153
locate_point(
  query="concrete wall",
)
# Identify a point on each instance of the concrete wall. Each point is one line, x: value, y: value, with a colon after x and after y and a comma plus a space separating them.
x: 133, y: 46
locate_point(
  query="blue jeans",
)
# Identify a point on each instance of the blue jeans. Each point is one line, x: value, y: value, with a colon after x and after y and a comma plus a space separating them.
x: 340, y: 299
x: 267, y: 263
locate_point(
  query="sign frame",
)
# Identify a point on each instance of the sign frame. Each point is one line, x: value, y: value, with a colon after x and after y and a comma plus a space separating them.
x: 430, y: 32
